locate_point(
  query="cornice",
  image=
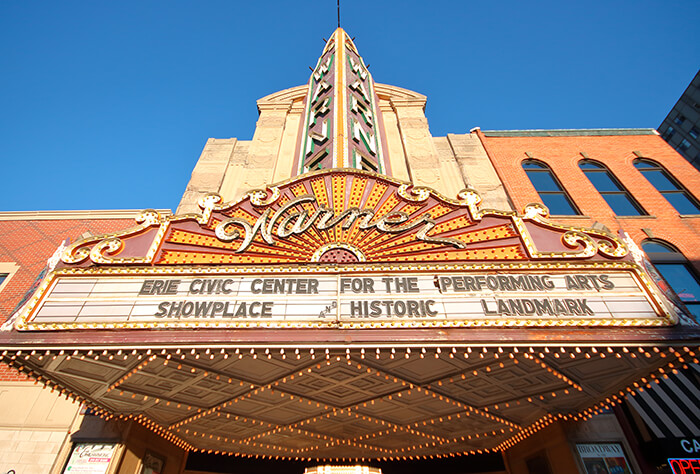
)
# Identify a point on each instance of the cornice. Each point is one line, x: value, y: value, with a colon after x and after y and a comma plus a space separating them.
x: 68, y: 215
x: 286, y: 97
x: 386, y: 91
x: 570, y: 132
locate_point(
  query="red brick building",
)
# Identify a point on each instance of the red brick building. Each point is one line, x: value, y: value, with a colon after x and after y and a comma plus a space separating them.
x: 651, y: 217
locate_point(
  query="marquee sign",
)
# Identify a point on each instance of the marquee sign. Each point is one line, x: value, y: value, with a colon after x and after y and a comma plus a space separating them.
x: 323, y: 298
x: 346, y: 249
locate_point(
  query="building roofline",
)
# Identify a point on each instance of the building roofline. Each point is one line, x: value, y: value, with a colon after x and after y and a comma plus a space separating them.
x: 70, y: 215
x: 586, y: 132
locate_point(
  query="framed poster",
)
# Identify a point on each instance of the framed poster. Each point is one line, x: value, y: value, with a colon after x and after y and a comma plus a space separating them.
x: 152, y: 464
x: 90, y: 458
x: 603, y: 458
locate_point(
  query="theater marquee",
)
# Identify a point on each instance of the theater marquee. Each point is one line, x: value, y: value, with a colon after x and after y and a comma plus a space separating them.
x: 347, y: 249
x: 326, y: 298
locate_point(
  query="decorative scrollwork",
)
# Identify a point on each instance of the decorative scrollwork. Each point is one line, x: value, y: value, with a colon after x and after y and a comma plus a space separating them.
x: 574, y: 239
x: 536, y: 211
x: 414, y: 193
x: 208, y: 203
x: 532, y: 234
x: 148, y: 217
x: 78, y: 251
x: 259, y: 197
x: 469, y: 196
x: 592, y: 241
x: 612, y: 248
x: 99, y: 248
x: 472, y: 199
x: 106, y: 247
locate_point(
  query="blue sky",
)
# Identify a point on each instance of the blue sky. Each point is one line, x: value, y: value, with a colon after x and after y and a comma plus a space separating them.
x: 107, y: 105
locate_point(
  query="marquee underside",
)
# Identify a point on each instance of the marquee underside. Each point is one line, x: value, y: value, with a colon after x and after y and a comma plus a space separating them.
x: 350, y: 402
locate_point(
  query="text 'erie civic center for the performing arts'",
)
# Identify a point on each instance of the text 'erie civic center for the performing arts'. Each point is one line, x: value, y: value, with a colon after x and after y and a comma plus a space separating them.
x: 347, y: 293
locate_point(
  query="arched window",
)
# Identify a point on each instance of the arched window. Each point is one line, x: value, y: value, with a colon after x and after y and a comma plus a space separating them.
x: 614, y: 193
x: 550, y: 190
x: 676, y: 270
x: 666, y: 184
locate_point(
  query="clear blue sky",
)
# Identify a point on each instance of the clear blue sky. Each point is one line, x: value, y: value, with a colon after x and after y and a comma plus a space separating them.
x: 107, y: 105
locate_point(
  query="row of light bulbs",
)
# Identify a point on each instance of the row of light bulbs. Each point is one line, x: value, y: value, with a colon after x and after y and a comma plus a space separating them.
x: 682, y: 356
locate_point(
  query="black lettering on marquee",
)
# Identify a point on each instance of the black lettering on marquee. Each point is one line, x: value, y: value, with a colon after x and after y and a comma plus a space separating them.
x: 607, y: 284
x: 464, y: 283
x: 211, y: 286
x: 537, y: 306
x: 401, y: 284
x: 162, y: 309
x: 357, y: 285
x: 588, y: 282
x: 159, y: 287
x: 213, y: 309
x: 202, y: 308
x: 146, y: 288
x: 392, y: 309
x: 284, y: 286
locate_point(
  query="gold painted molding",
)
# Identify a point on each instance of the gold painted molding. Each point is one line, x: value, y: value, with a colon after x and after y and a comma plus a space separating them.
x: 653, y: 296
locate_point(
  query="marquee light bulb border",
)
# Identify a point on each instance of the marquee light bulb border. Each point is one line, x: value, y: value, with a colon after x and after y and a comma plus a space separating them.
x: 665, y: 315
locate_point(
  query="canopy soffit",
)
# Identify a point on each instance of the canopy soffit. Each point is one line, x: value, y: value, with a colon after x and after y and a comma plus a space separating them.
x: 326, y: 402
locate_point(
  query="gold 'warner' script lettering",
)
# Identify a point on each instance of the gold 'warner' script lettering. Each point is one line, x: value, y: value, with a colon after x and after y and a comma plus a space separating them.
x: 291, y: 222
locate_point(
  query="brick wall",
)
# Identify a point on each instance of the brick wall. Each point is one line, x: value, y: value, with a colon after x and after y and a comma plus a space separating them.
x: 617, y: 152
x: 29, y: 244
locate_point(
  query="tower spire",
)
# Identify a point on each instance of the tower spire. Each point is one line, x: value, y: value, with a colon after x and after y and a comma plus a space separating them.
x: 341, y: 127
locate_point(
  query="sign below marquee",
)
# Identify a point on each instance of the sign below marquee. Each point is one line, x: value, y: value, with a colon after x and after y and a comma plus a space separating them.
x: 516, y: 297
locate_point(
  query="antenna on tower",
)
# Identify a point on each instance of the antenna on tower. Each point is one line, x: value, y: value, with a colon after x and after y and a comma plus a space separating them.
x: 338, y: 13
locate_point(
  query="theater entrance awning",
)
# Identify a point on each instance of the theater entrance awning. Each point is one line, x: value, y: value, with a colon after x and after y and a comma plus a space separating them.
x: 350, y: 397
